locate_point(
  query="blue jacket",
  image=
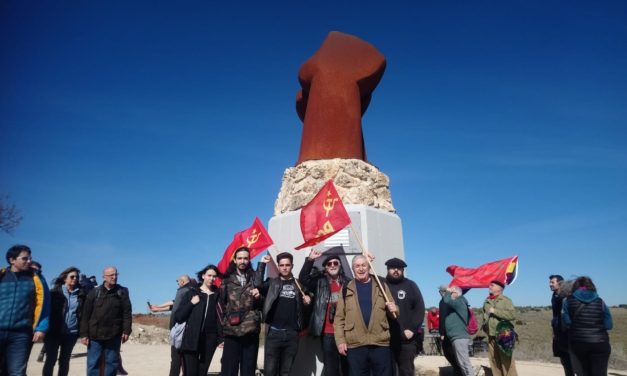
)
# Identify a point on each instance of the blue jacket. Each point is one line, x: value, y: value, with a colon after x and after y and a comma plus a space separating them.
x: 24, y: 301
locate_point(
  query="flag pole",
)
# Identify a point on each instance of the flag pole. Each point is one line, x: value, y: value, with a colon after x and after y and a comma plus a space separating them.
x: 376, y: 277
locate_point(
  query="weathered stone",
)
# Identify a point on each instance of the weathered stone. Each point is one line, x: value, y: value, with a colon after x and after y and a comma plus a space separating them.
x: 357, y: 182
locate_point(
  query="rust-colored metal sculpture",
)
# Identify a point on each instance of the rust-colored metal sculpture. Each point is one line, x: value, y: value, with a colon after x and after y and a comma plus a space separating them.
x: 337, y: 83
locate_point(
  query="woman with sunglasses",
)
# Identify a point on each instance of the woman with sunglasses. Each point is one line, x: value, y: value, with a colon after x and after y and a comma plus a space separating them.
x: 201, y: 313
x: 66, y: 304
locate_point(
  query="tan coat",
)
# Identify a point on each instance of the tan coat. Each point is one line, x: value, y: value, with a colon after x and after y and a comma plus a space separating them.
x: 349, y: 324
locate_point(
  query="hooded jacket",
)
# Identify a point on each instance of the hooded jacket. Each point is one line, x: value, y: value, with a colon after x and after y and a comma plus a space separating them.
x: 587, y: 317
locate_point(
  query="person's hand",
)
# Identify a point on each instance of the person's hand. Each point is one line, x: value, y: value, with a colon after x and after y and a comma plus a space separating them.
x: 124, y: 338
x: 306, y: 299
x: 195, y: 299
x: 370, y: 256
x: 266, y: 259
x: 254, y: 293
x: 221, y: 345
x: 38, y: 336
x: 491, y: 310
x: 391, y: 307
x: 314, y: 254
x: 408, y: 334
x: 342, y: 348
x: 85, y: 341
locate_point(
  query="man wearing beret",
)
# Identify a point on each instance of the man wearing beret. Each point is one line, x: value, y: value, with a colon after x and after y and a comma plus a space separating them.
x: 327, y: 287
x: 498, y: 307
x: 404, y: 331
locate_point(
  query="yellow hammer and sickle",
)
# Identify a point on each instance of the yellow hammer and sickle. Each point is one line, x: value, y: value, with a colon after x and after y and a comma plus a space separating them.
x: 252, y: 239
x: 329, y: 203
x: 327, y: 228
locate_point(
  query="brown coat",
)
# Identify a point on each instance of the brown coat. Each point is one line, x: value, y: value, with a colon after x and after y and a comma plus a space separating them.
x: 349, y: 324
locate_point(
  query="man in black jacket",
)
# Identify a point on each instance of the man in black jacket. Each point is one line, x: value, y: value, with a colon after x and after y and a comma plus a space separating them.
x: 327, y: 287
x: 106, y: 323
x: 560, y: 336
x: 283, y: 313
x: 404, y: 331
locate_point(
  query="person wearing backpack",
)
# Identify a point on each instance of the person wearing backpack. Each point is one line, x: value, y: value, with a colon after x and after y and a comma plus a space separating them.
x: 456, y: 327
x: 587, y: 319
x: 106, y: 323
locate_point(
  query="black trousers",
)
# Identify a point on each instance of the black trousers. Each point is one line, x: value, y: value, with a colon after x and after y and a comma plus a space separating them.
x: 335, y: 364
x: 196, y: 363
x: 590, y: 359
x: 240, y: 355
x: 404, y: 355
x: 279, y: 352
x: 175, y: 362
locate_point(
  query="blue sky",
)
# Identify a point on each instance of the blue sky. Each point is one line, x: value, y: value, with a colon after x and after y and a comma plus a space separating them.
x: 144, y: 134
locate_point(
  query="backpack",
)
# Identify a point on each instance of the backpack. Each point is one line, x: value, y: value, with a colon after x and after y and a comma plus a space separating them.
x: 472, y: 326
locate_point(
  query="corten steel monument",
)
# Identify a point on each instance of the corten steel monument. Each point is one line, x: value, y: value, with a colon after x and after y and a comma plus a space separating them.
x: 337, y: 85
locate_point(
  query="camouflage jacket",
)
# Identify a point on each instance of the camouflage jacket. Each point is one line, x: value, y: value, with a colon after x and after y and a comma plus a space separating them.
x: 238, y: 302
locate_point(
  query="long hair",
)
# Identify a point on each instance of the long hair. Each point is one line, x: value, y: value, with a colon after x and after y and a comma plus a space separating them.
x: 202, y: 272
x: 232, y: 269
x: 60, y: 280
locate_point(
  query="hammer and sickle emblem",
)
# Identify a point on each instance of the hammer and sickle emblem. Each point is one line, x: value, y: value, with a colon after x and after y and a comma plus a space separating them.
x: 327, y: 228
x: 252, y: 239
x: 329, y: 203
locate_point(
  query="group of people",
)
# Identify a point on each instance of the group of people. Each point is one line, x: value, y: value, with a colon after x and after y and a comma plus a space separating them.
x: 580, y: 323
x: 364, y: 324
x: 31, y: 312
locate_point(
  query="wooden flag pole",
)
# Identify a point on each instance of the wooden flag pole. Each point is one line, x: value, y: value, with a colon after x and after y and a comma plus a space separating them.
x: 376, y: 277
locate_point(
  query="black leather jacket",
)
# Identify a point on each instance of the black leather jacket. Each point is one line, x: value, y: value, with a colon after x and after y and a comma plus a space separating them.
x: 271, y: 289
x: 319, y: 284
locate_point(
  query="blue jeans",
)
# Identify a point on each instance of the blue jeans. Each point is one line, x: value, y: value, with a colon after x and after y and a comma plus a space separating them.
x: 110, y: 349
x: 15, y: 347
x: 66, y: 342
x: 364, y: 359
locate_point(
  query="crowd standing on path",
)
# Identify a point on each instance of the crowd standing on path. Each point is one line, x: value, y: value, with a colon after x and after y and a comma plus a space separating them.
x: 367, y: 324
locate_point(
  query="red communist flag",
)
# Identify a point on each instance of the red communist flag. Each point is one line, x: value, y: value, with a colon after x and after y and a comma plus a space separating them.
x: 323, y: 216
x: 256, y: 238
x: 504, y: 270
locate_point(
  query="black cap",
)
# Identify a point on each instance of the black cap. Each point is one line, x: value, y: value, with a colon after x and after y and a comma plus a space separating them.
x: 395, y: 263
x: 331, y: 257
x: 497, y: 282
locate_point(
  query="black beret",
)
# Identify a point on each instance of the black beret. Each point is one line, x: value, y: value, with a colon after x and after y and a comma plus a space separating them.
x: 497, y: 282
x: 331, y: 257
x: 395, y: 263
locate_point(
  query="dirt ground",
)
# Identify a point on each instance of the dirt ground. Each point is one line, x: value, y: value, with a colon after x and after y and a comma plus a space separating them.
x: 148, y: 360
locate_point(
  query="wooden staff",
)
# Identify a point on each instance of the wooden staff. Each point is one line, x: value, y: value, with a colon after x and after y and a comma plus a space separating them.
x: 376, y: 277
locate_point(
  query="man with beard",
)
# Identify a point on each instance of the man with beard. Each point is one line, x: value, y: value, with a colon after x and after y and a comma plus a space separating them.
x: 326, y: 287
x: 560, y: 337
x: 404, y: 331
x: 361, y: 323
x: 240, y: 298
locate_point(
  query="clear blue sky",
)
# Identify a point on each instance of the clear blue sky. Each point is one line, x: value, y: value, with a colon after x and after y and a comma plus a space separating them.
x: 144, y: 134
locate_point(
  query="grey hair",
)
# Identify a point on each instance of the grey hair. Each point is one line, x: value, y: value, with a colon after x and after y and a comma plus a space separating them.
x: 457, y: 289
x: 359, y: 257
x: 566, y: 288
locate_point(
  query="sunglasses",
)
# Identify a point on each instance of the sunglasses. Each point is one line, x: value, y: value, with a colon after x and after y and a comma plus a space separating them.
x: 72, y: 276
x: 333, y: 263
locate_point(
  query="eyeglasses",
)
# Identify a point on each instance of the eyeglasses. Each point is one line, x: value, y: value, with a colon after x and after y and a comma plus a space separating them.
x: 26, y: 258
x: 333, y: 263
x: 72, y: 276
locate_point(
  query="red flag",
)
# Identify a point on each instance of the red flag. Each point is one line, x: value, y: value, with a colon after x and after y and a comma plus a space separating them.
x: 256, y: 238
x: 504, y: 270
x: 323, y: 216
